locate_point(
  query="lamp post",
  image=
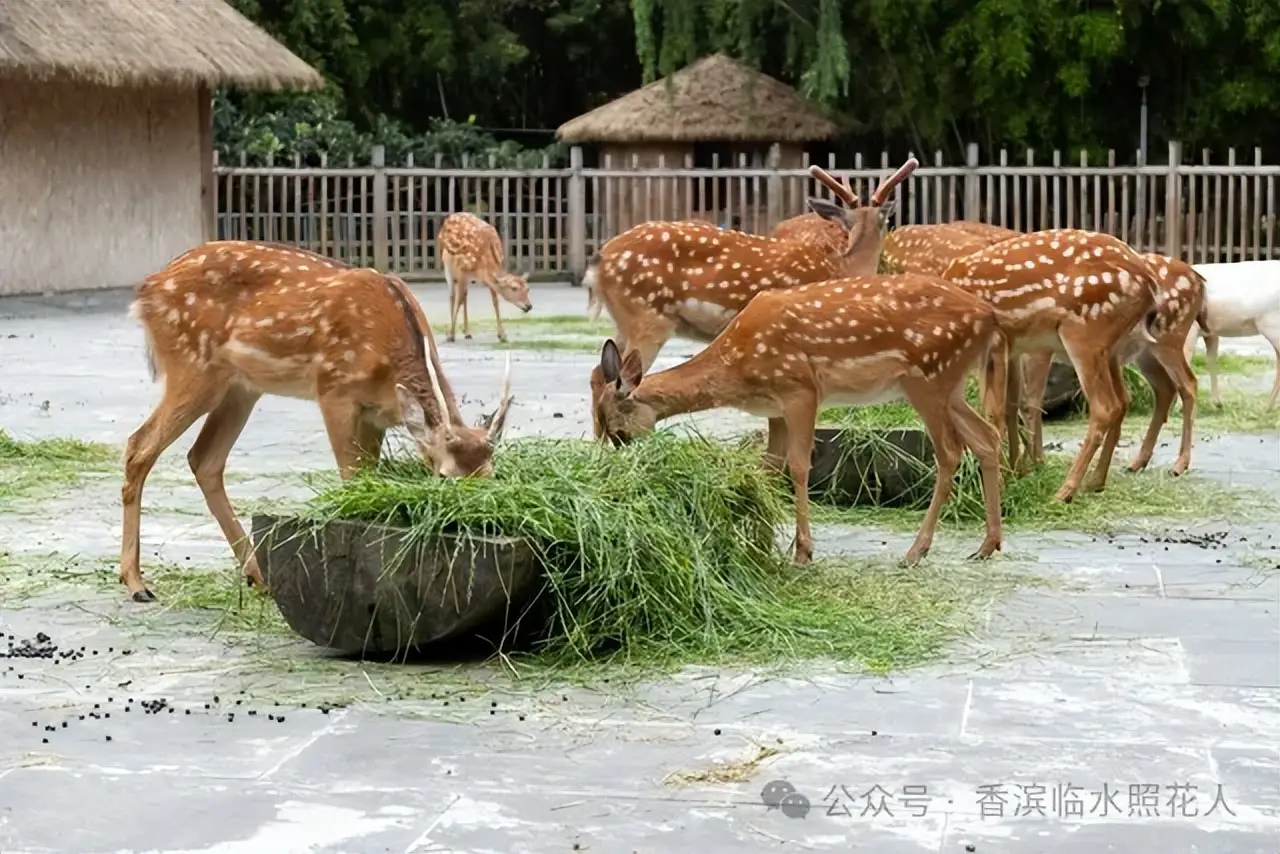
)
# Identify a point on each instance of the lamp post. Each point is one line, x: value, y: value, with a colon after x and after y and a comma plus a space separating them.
x: 1142, y: 121
x: 1142, y: 162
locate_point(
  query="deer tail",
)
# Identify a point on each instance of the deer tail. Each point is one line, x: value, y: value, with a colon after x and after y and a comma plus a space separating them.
x: 137, y: 311
x: 995, y: 377
x: 591, y: 279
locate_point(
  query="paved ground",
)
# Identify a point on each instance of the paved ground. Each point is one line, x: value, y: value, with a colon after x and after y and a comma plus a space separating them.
x: 1158, y: 669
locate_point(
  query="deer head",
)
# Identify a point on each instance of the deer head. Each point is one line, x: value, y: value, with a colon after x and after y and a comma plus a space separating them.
x: 514, y: 288
x: 862, y: 221
x: 454, y: 450
x: 619, y: 416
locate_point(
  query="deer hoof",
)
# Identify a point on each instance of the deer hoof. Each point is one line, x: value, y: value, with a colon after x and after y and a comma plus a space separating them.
x: 467, y: 336
x: 144, y: 595
x: 1065, y: 494
x: 1137, y: 466
x: 1180, y: 467
x: 449, y: 338
x: 986, y: 550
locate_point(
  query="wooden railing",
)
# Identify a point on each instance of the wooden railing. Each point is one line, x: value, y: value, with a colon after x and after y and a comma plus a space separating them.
x: 553, y: 219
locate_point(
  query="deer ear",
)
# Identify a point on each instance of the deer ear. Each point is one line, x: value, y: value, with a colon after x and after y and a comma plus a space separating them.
x: 632, y: 370
x: 610, y: 362
x: 827, y: 210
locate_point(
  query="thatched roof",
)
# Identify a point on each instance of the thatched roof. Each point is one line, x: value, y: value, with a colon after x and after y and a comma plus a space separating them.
x: 144, y: 43
x: 715, y: 98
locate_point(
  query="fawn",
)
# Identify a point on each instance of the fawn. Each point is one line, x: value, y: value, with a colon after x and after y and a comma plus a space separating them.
x: 859, y: 340
x: 1072, y: 293
x: 471, y: 249
x: 690, y: 279
x: 230, y: 321
x: 1162, y: 361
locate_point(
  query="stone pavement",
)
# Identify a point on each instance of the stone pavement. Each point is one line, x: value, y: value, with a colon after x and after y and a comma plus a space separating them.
x: 1155, y: 665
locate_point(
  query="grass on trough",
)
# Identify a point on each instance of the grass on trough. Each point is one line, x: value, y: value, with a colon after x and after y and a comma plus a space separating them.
x: 1028, y: 501
x: 29, y: 468
x: 664, y: 553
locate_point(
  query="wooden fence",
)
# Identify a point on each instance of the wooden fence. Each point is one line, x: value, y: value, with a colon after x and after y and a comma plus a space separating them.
x: 553, y: 219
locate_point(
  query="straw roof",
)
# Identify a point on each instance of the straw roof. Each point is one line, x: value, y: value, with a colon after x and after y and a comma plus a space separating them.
x: 144, y: 43
x: 715, y: 98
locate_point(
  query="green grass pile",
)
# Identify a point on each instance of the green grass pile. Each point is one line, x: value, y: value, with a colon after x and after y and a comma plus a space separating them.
x: 30, y: 468
x: 662, y: 553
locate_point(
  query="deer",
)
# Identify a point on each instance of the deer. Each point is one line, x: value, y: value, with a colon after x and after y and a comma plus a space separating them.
x: 1076, y: 294
x: 1242, y: 298
x: 690, y: 279
x: 229, y: 321
x: 471, y: 249
x: 856, y: 340
x: 928, y: 249
x: 1161, y: 359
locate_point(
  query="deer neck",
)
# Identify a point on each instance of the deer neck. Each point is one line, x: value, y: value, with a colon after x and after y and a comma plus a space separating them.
x: 694, y: 386
x: 863, y: 259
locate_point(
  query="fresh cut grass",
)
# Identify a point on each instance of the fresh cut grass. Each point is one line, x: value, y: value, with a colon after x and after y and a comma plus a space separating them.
x: 35, y: 468
x: 664, y: 553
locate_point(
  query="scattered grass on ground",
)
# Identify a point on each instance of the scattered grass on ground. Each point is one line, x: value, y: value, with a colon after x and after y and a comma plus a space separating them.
x: 556, y: 324
x: 38, y: 468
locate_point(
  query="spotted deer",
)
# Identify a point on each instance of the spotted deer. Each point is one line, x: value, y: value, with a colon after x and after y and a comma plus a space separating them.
x: 1073, y: 293
x: 827, y: 224
x: 928, y: 249
x: 858, y: 340
x: 1180, y: 305
x: 471, y: 249
x: 690, y: 279
x: 229, y: 321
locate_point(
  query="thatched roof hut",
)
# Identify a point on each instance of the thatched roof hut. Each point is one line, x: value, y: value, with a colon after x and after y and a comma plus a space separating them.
x: 716, y: 99
x: 108, y: 131
x: 714, y: 111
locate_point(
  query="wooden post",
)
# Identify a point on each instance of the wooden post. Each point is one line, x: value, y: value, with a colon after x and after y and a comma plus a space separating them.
x: 379, y: 219
x: 972, y: 185
x: 774, y: 162
x: 208, y: 199
x: 577, y: 218
x: 1173, y: 203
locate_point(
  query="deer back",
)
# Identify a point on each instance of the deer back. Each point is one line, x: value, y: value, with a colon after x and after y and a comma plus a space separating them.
x: 1180, y: 296
x: 1040, y: 280
x: 471, y: 244
x: 928, y: 249
x: 812, y: 228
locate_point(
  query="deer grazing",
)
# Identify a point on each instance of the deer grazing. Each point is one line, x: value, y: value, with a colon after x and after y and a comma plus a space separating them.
x: 1077, y: 294
x: 230, y: 321
x: 690, y: 279
x: 1160, y: 358
x: 860, y: 340
x: 928, y: 249
x: 471, y: 249
x: 1242, y: 298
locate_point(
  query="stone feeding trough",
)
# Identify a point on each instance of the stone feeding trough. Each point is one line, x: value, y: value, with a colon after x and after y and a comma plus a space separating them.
x: 867, y: 467
x: 364, y: 589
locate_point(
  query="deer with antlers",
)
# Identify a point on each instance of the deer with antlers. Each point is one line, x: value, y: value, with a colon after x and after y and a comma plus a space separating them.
x: 690, y: 279
x: 471, y: 249
x: 859, y: 340
x: 230, y: 321
x: 1077, y: 294
x: 1161, y: 358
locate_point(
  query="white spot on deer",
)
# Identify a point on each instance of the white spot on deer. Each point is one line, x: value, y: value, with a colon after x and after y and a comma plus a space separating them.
x: 1093, y: 280
x: 1106, y: 277
x: 1183, y: 283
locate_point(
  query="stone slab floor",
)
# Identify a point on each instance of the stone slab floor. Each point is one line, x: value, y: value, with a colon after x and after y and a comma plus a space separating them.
x: 1137, y: 709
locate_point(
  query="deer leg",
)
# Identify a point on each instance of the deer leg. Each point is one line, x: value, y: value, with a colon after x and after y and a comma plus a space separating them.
x: 1104, y: 403
x: 368, y: 444
x: 984, y: 441
x: 800, y: 414
x: 1098, y: 480
x: 208, y: 461
x: 342, y: 423
x: 463, y: 281
x: 1162, y: 384
x: 1012, y: 408
x: 946, y: 451
x: 497, y: 313
x: 1269, y: 328
x: 774, y: 455
x: 452, y: 279
x: 1036, y: 380
x: 1211, y: 362
x: 177, y: 410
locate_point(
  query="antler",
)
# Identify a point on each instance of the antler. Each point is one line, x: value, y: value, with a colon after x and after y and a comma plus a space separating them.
x: 439, y: 394
x: 882, y: 192
x: 842, y: 190
x: 504, y: 403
